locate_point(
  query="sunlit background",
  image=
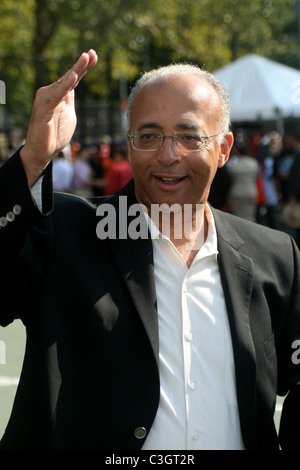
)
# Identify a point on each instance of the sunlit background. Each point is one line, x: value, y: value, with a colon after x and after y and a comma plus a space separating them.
x: 40, y: 39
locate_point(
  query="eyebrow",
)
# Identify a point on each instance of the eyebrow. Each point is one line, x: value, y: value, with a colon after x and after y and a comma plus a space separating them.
x: 188, y: 126
x: 149, y: 124
x: 183, y: 126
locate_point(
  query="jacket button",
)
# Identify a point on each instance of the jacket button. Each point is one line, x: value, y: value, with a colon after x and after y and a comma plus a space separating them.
x: 3, y: 222
x: 10, y: 216
x: 140, y: 433
x: 17, y: 209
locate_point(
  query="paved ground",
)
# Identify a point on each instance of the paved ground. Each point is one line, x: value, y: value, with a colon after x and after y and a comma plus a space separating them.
x: 12, y: 344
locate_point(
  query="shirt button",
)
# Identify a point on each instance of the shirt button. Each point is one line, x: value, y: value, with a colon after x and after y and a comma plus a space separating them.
x: 188, y: 336
x: 193, y: 386
x: 185, y: 288
x: 196, y: 436
x: 140, y: 432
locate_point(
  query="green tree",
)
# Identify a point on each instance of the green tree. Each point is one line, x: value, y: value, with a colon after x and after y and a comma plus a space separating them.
x: 39, y: 39
x: 16, y: 23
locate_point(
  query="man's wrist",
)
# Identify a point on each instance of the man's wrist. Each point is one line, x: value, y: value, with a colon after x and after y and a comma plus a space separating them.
x: 33, y: 170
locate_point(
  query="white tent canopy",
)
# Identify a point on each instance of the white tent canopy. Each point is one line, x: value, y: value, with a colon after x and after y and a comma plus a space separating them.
x: 261, y: 89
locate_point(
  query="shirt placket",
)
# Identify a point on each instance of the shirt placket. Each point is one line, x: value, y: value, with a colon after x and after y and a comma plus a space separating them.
x: 190, y: 377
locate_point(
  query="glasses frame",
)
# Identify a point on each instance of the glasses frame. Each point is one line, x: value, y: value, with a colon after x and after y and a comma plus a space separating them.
x: 174, y: 138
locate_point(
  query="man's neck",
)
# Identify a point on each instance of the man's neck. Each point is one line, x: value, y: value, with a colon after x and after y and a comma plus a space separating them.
x: 186, y: 228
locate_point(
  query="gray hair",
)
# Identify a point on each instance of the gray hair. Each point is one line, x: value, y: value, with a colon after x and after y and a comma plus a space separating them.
x: 182, y: 68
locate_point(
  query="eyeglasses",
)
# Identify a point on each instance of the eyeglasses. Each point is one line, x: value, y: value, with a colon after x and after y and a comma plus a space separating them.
x: 152, y: 141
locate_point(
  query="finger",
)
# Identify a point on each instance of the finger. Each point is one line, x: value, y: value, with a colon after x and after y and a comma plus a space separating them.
x: 72, y: 77
x: 86, y: 61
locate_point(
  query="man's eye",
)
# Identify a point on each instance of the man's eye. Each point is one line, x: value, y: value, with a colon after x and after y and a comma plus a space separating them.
x: 190, y: 138
x: 149, y: 136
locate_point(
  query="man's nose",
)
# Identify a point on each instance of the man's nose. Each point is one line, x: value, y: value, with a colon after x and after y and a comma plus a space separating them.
x: 168, y: 153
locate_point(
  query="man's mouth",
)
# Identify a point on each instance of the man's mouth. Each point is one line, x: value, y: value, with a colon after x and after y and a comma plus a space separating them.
x: 170, y: 179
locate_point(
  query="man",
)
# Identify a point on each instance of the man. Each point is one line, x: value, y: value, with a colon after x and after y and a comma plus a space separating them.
x: 157, y: 342
x: 63, y: 172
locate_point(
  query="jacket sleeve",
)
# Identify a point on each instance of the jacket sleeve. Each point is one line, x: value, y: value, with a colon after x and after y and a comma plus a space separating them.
x: 18, y: 216
x: 289, y: 366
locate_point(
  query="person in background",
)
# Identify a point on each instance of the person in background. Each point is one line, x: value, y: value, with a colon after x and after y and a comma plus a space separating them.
x: 98, y: 172
x: 83, y: 173
x: 243, y: 170
x: 63, y: 172
x: 267, y: 211
x: 121, y: 172
x: 294, y: 181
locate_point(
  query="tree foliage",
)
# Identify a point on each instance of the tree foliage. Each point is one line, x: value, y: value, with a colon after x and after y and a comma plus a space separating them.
x: 39, y: 39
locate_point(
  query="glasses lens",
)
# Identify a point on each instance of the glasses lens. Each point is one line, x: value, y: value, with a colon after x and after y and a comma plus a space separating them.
x: 191, y: 142
x: 151, y: 141
x: 147, y: 141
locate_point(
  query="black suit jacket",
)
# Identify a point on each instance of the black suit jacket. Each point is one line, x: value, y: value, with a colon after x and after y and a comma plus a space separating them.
x: 90, y: 377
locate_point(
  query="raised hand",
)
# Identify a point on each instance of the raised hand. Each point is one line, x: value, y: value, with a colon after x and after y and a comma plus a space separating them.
x: 53, y: 118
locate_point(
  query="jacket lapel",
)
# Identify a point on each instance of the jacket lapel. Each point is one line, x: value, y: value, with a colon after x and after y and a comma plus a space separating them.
x: 134, y: 258
x: 236, y: 270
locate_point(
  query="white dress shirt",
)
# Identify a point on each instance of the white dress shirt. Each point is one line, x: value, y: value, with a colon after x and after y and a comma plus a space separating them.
x: 198, y: 403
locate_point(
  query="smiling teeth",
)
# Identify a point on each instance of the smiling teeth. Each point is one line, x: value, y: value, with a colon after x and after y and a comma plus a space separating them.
x: 169, y: 180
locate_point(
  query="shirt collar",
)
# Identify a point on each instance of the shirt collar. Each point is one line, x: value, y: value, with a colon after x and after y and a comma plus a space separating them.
x: 210, y: 246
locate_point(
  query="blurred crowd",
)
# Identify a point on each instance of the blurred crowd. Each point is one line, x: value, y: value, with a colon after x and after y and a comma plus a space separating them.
x: 260, y: 182
x: 100, y: 168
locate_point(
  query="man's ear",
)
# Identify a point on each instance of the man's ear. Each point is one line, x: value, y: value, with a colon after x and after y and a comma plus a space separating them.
x: 225, y: 148
x: 129, y: 150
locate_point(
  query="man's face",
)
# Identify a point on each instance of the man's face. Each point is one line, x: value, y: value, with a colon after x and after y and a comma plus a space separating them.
x: 168, y: 175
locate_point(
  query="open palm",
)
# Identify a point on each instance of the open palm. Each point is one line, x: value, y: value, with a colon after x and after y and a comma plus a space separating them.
x: 53, y: 118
